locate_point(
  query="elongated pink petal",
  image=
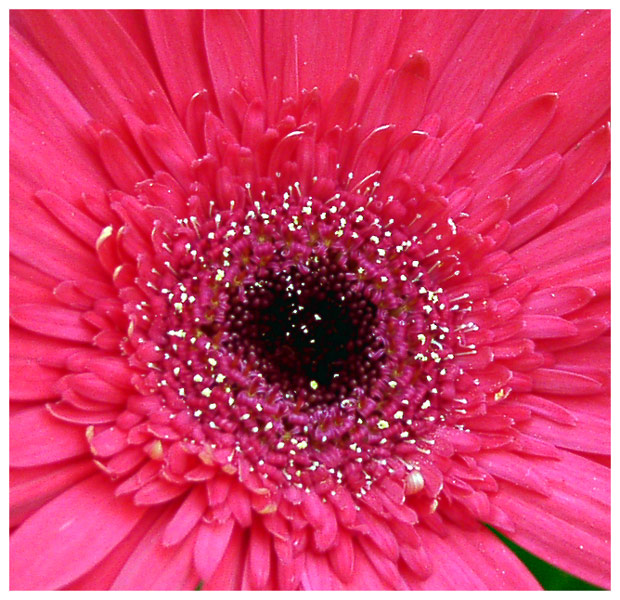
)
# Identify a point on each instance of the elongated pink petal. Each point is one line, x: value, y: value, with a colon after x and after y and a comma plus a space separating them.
x: 583, y: 165
x: 186, y: 517
x: 478, y: 65
x: 588, y: 232
x: 53, y: 321
x: 70, y: 535
x: 367, y: 61
x: 436, y: 32
x: 570, y: 528
x: 30, y: 488
x: 37, y: 438
x: 259, y: 557
x: 572, y: 62
x: 154, y: 567
x: 571, y: 437
x: 302, y: 57
x: 501, y: 142
x: 211, y: 544
x: 232, y: 58
x: 318, y: 574
x: 184, y: 70
x: 31, y: 381
x: 365, y: 576
x: 112, y: 69
x: 467, y: 560
x: 555, y: 381
x: 102, y: 576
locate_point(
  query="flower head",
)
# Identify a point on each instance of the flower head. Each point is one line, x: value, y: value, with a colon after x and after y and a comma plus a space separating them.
x: 293, y: 311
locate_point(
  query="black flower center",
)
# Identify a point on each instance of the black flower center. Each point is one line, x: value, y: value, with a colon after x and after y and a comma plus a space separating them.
x: 310, y: 330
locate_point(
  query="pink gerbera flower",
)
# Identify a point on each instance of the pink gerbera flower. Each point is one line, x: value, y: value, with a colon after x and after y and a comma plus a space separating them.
x: 304, y: 299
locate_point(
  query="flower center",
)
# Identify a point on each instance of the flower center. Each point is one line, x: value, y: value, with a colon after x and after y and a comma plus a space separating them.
x: 305, y: 339
x: 308, y: 330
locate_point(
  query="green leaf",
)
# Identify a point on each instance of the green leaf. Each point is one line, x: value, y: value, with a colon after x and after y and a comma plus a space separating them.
x: 549, y: 577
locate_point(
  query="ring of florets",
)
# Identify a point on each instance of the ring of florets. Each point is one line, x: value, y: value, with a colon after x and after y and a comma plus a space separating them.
x: 236, y: 287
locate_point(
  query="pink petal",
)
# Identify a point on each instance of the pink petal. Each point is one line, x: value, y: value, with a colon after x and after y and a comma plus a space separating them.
x: 557, y: 301
x: 53, y: 321
x: 570, y: 528
x: 318, y: 574
x: 408, y: 95
x: 532, y: 181
x: 547, y: 326
x: 368, y: 60
x: 30, y: 488
x: 228, y: 575
x: 587, y: 232
x: 259, y: 557
x: 37, y: 438
x: 178, y: 41
x: 583, y: 165
x: 91, y: 386
x: 477, y: 67
x: 596, y: 196
x: 521, y: 471
x: 554, y: 381
x: 114, y: 77
x: 301, y: 56
x: 28, y: 284
x: 31, y: 381
x: 186, y: 517
x: 102, y: 576
x: 473, y: 560
x: 38, y: 93
x: 573, y: 63
x: 40, y: 241
x: 76, y: 222
x: 152, y: 566
x: 211, y: 544
x: 365, y: 576
x: 502, y: 141
x: 385, y: 568
x: 436, y: 32
x: 46, y: 351
x: 66, y: 412
x: 107, y: 442
x: 120, y: 162
x: 546, y: 408
x: 112, y: 370
x: 69, y: 535
x: 28, y: 176
x: 157, y: 492
x: 572, y: 437
x: 341, y: 556
x: 232, y: 59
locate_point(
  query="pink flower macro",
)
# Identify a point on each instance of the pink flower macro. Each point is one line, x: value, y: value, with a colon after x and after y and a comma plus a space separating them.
x: 301, y: 299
